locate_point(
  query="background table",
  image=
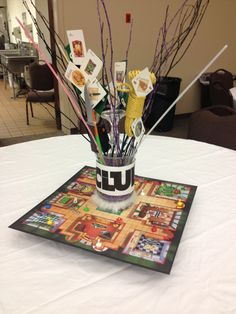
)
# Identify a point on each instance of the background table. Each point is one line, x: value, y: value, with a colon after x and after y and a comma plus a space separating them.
x: 42, y: 276
x: 15, y: 64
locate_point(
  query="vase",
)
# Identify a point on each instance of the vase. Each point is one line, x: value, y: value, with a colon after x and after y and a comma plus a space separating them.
x: 115, y: 183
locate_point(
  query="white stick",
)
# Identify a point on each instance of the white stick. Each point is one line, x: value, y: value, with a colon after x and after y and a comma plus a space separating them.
x: 183, y: 92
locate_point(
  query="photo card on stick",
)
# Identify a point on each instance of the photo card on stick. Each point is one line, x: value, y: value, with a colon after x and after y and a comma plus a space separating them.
x: 75, y: 76
x: 77, y: 45
x: 96, y: 92
x: 142, y: 83
x: 120, y: 70
x: 138, y: 129
x: 91, y: 65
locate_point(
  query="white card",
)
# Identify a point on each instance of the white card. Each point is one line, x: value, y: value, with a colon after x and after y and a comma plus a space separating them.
x: 142, y: 83
x: 75, y: 76
x: 91, y: 65
x: 120, y: 69
x: 77, y: 45
x: 138, y: 129
x: 95, y: 92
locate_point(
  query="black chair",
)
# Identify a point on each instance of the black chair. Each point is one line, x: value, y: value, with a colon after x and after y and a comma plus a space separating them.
x: 40, y: 83
x: 220, y: 83
x: 214, y: 125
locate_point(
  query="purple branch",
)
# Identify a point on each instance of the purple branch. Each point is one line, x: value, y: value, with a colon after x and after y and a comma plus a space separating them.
x: 188, y: 19
x: 115, y: 122
x: 101, y: 25
x: 110, y: 39
x: 129, y: 42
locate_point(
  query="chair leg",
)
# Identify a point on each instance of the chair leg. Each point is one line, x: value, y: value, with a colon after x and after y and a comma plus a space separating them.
x: 31, y: 108
x: 13, y: 86
x: 27, y: 113
x: 5, y: 77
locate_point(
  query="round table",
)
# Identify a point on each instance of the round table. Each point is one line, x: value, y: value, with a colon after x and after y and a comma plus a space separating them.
x: 42, y: 276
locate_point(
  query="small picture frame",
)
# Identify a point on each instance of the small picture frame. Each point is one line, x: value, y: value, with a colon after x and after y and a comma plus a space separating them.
x: 138, y: 129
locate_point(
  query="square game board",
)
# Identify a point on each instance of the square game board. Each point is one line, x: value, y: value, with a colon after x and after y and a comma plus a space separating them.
x: 146, y: 234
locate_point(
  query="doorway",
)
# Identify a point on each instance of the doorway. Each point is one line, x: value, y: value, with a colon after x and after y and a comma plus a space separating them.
x: 12, y: 111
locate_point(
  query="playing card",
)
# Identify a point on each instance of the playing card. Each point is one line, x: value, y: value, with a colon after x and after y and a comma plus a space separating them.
x: 142, y: 83
x: 138, y: 129
x: 120, y: 69
x: 77, y: 45
x: 91, y: 65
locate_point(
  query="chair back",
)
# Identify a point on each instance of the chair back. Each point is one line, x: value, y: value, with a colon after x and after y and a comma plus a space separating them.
x: 40, y: 77
x: 220, y: 83
x: 214, y: 125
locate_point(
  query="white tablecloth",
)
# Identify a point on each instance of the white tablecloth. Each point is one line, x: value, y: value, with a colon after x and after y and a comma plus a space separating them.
x: 42, y: 276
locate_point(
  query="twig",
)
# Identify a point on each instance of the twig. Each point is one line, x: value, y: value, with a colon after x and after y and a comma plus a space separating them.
x: 129, y: 43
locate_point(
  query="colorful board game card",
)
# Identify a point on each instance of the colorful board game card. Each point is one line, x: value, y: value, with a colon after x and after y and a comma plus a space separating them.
x: 96, y: 92
x: 75, y: 76
x: 146, y: 234
x: 120, y: 70
x: 142, y: 83
x: 77, y: 46
x: 91, y: 65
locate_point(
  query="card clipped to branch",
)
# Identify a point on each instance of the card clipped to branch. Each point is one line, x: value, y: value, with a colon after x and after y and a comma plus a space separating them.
x: 77, y: 45
x: 120, y: 71
x: 75, y: 76
x: 95, y: 92
x: 91, y: 65
x: 142, y: 83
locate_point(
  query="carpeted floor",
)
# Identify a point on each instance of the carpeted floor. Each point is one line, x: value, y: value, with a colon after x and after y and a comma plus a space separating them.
x: 180, y: 127
x: 179, y: 130
x: 27, y: 138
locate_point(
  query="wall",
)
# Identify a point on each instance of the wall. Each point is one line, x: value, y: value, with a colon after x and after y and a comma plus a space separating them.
x: 42, y: 6
x: 215, y: 30
x: 15, y: 8
x: 3, y: 26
